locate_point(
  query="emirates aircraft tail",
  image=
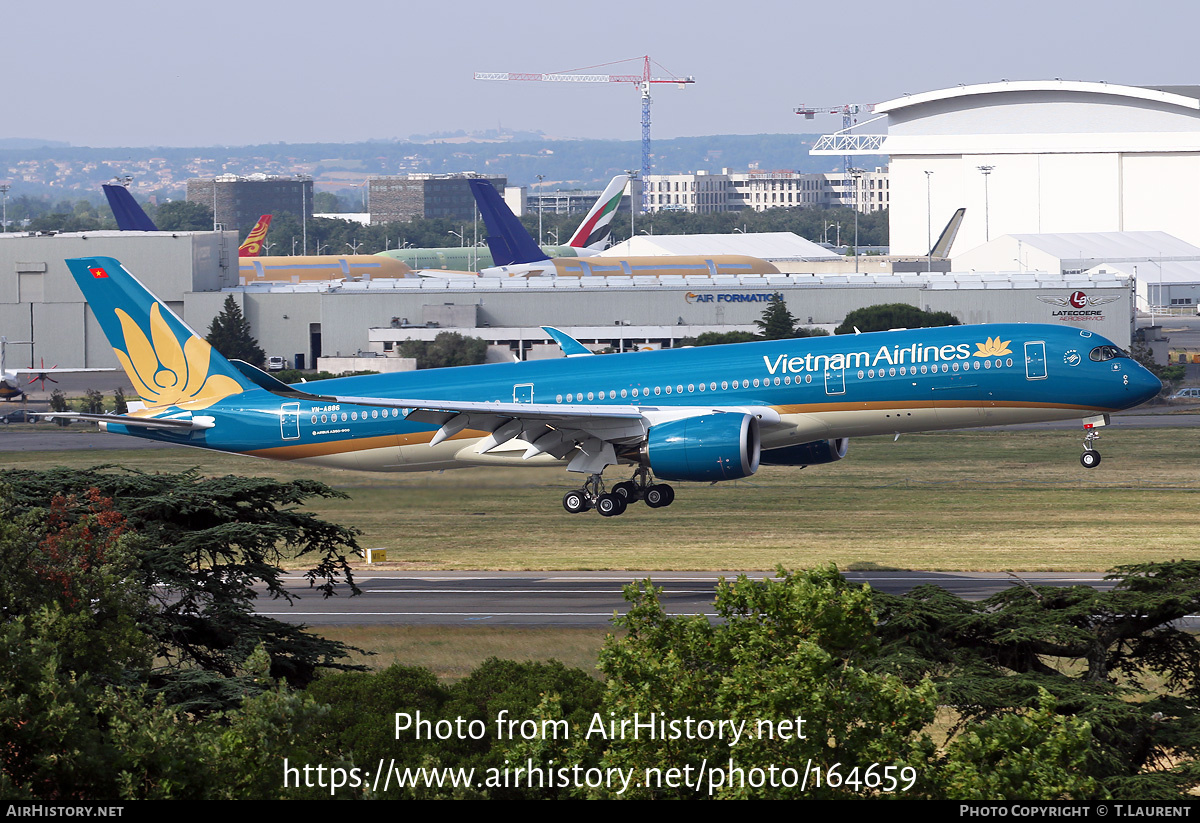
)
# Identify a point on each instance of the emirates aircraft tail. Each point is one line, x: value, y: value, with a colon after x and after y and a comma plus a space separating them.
x: 593, y: 233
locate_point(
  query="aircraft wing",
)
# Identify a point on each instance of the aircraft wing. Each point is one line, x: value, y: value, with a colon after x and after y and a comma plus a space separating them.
x: 538, y: 428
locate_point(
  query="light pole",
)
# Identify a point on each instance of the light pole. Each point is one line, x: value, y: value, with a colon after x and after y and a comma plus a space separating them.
x: 825, y: 234
x: 4, y: 187
x: 987, y: 229
x: 856, y: 175
x: 541, y: 237
x: 929, y: 217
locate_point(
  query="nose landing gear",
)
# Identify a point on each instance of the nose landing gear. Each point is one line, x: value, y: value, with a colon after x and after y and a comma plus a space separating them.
x: 1090, y: 457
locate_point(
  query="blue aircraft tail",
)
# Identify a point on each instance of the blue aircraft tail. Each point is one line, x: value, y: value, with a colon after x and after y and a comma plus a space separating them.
x: 168, y: 363
x: 129, y: 214
x: 507, y: 238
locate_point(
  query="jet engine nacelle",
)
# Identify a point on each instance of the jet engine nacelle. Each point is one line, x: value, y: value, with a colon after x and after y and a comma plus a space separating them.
x: 708, y: 447
x: 808, y: 454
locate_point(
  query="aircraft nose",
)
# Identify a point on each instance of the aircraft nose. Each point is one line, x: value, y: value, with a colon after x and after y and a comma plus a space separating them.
x: 1144, y: 385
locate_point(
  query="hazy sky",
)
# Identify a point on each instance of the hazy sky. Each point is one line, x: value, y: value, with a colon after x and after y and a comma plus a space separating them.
x: 139, y: 73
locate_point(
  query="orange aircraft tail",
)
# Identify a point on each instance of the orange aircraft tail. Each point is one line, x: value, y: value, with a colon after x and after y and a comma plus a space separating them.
x: 254, y: 240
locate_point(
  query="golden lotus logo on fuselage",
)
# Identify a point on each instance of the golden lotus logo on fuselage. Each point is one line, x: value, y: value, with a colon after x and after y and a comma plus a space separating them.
x: 165, y: 373
x: 993, y: 347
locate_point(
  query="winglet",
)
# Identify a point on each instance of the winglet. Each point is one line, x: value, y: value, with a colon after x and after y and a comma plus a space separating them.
x: 507, y: 238
x: 125, y: 209
x: 569, y: 345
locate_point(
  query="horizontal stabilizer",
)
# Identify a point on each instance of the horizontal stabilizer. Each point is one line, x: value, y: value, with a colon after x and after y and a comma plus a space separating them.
x: 261, y: 379
x: 170, y: 423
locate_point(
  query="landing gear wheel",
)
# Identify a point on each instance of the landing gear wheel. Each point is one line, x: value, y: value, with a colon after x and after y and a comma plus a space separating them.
x: 610, y: 505
x: 627, y: 489
x: 659, y: 495
x: 575, y: 502
x: 1090, y: 459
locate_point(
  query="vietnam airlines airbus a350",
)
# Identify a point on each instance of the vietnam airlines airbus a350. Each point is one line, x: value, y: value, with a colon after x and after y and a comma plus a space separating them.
x: 698, y: 414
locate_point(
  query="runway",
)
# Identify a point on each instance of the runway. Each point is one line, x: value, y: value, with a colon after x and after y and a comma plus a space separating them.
x: 579, y: 599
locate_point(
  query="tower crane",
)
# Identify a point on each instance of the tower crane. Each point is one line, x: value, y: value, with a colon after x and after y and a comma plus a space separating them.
x: 848, y: 111
x: 641, y: 81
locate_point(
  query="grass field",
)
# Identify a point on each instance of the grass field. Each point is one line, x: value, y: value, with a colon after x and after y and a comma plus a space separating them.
x: 947, y: 501
x: 452, y: 652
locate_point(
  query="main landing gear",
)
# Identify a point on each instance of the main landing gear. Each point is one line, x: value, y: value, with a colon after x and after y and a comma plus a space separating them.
x: 613, y: 503
x: 1090, y: 457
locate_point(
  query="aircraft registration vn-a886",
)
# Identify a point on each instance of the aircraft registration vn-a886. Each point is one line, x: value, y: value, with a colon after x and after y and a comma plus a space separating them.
x: 693, y: 414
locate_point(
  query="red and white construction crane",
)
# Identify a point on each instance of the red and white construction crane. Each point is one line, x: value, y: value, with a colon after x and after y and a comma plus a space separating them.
x: 641, y: 81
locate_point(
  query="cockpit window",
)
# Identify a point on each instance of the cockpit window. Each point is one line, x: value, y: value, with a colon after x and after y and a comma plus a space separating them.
x: 1102, y: 353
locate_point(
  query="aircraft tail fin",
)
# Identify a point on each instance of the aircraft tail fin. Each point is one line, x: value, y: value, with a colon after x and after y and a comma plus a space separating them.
x: 254, y: 240
x: 129, y: 214
x: 946, y: 239
x: 507, y: 238
x: 168, y: 363
x: 594, y: 232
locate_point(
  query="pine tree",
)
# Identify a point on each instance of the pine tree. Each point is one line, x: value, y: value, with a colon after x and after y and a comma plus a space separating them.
x: 777, y: 322
x: 229, y: 333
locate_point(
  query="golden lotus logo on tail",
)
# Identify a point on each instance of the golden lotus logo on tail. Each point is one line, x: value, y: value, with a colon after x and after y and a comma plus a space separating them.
x: 994, y: 347
x: 163, y: 372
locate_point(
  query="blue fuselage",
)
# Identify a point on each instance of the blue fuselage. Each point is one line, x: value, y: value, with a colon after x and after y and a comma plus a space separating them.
x: 823, y: 387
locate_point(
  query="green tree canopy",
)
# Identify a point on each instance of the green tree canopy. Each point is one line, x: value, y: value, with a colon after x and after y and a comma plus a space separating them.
x: 182, y: 215
x: 326, y: 202
x: 894, y: 316
x: 229, y: 333
x: 447, y: 349
x: 1113, y: 661
x: 200, y: 547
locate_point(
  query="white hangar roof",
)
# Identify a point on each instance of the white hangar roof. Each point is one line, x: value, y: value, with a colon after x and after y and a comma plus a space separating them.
x: 1043, y: 116
x: 777, y: 245
x: 1111, y: 245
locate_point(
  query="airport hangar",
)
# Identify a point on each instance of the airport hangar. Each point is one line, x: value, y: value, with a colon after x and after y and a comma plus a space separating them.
x: 1036, y: 157
x: 194, y: 272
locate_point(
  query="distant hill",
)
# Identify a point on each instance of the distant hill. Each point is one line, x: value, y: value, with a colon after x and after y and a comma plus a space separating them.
x: 30, y: 143
x: 47, y: 167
